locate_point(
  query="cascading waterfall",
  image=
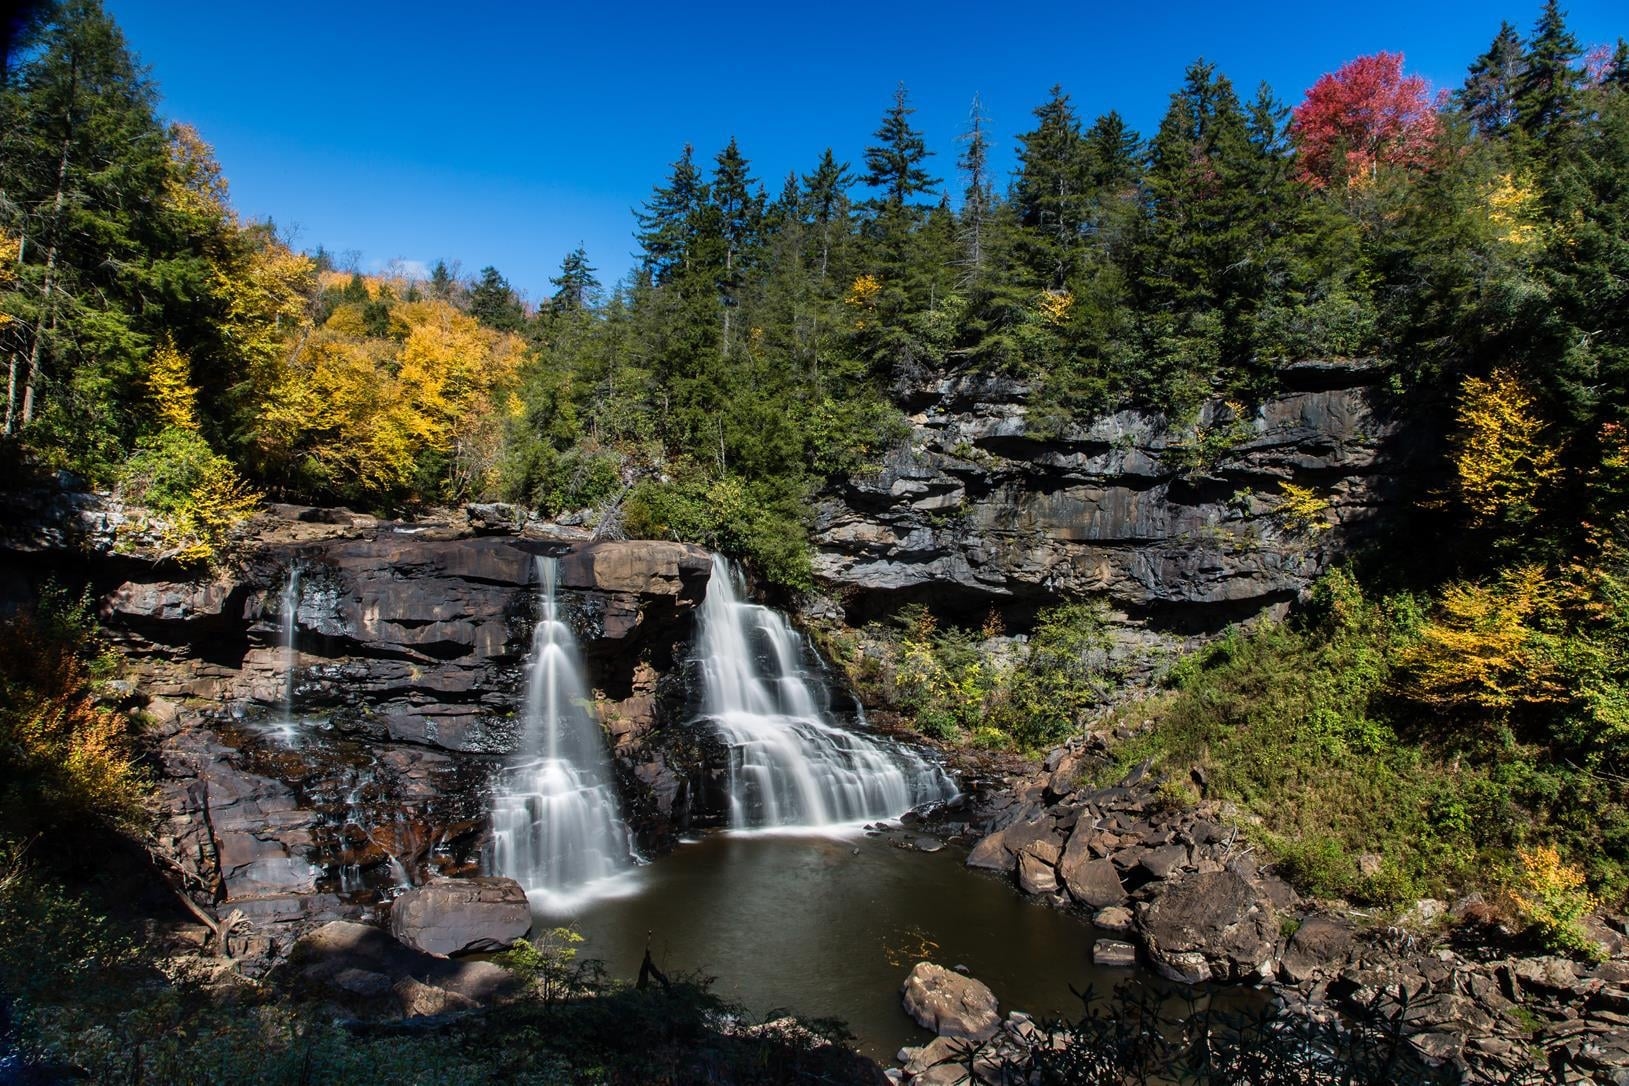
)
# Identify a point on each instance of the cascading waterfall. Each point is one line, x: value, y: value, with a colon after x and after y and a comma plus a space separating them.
x: 556, y: 823
x: 790, y: 766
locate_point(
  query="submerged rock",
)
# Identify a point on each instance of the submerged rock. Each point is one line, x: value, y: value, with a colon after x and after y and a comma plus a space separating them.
x: 950, y: 1004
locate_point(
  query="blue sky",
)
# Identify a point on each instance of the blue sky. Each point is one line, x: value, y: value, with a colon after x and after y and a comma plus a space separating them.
x: 507, y: 133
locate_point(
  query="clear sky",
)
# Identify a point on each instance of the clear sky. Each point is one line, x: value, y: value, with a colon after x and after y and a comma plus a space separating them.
x: 507, y: 133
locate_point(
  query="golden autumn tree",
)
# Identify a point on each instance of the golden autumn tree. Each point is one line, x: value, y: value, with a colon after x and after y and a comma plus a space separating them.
x: 1500, y: 456
x: 413, y: 415
x: 1488, y: 645
x: 197, y: 494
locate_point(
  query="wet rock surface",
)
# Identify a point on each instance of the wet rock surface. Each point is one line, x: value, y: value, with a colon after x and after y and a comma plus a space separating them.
x: 311, y: 783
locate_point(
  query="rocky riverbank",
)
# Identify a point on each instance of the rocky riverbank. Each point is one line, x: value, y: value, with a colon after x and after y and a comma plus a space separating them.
x: 1179, y: 889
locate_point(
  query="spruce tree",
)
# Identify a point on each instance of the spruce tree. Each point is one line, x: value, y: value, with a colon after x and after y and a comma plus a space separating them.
x: 494, y: 303
x: 667, y: 223
x: 82, y: 161
x: 894, y: 163
x: 1488, y: 97
x: 978, y: 195
x: 576, y: 285
x: 1546, y: 92
x: 826, y: 200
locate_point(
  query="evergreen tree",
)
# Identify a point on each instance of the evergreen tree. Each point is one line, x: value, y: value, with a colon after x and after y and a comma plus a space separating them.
x: 83, y: 162
x: 1113, y: 153
x: 1546, y: 92
x: 576, y: 286
x: 1200, y: 236
x: 894, y: 163
x: 494, y: 303
x: 978, y: 196
x: 668, y: 222
x: 827, y: 204
x: 1051, y: 189
x: 442, y: 281
x: 1488, y: 97
x: 737, y: 211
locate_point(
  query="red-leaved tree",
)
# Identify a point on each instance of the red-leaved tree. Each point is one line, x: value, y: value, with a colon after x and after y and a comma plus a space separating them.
x: 1362, y: 115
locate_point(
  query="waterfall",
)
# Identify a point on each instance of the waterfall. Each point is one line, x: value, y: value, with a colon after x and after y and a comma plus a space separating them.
x: 556, y: 823
x: 789, y: 764
x: 285, y: 727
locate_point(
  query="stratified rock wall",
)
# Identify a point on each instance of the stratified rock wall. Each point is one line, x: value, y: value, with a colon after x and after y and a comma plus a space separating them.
x: 1175, y: 527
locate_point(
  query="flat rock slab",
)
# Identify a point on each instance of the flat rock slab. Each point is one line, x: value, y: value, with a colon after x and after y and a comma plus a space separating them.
x: 1112, y: 952
x: 360, y: 962
x: 455, y: 916
x: 950, y: 1004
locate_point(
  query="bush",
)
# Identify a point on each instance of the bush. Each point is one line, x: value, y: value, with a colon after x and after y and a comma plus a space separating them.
x: 729, y: 515
x: 196, y: 492
x: 65, y: 758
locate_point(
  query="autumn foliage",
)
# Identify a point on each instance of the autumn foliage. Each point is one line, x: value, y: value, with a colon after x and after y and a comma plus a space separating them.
x: 1364, y: 115
x: 65, y: 758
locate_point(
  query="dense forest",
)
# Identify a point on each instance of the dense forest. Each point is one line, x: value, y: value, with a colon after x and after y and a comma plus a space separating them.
x: 1461, y: 710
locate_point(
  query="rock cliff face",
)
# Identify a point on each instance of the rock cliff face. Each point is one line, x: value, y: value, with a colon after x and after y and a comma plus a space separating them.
x: 1177, y: 528
x: 403, y: 678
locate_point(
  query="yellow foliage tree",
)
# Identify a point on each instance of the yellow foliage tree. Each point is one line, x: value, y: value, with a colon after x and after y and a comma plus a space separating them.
x: 1487, y: 647
x: 366, y: 415
x: 1301, y: 511
x: 169, y: 383
x: 1513, y: 209
x: 1056, y: 306
x: 1500, y: 457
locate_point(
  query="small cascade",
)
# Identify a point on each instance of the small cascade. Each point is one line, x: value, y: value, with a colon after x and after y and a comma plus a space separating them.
x: 790, y: 765
x: 285, y: 727
x: 556, y: 822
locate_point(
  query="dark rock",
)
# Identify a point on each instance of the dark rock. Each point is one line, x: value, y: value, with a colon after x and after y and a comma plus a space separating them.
x: 1035, y: 875
x: 1109, y: 952
x: 1160, y: 862
x: 454, y: 916
x: 1319, y: 945
x: 1210, y: 927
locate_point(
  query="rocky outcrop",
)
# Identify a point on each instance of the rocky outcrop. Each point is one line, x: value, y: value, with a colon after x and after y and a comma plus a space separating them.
x: 361, y: 967
x: 1183, y: 895
x: 458, y: 916
x: 313, y: 781
x: 950, y: 1004
x: 1176, y: 527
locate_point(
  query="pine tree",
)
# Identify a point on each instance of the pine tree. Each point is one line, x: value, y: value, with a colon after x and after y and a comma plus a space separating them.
x: 82, y: 160
x: 1051, y: 189
x: 737, y: 211
x: 1113, y: 153
x: 827, y: 203
x: 894, y: 163
x: 494, y: 303
x: 1488, y: 96
x: 978, y: 196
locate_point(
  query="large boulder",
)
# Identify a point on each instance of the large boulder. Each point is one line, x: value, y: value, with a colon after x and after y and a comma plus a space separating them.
x: 455, y: 916
x: 363, y: 967
x: 1210, y: 926
x: 950, y: 1004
